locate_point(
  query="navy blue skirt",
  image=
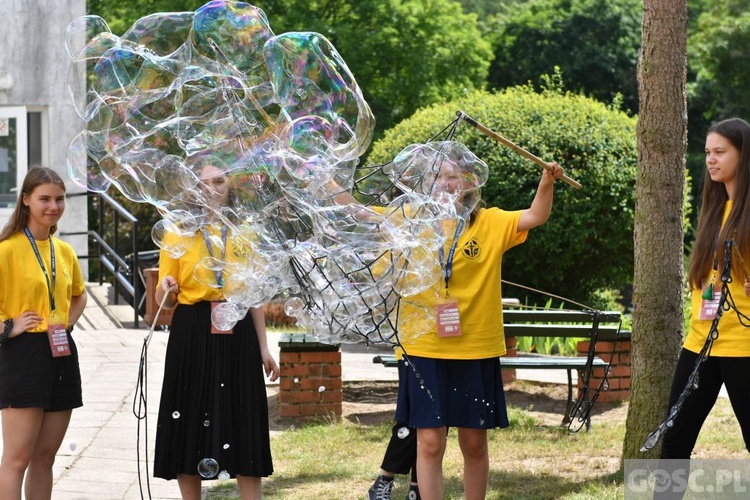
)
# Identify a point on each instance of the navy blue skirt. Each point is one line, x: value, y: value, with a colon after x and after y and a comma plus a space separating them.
x: 451, y: 393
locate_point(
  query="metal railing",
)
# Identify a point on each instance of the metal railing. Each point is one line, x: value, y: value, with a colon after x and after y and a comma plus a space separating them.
x: 111, y: 255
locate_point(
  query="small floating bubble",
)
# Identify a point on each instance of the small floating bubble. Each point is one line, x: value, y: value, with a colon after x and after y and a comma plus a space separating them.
x: 208, y: 468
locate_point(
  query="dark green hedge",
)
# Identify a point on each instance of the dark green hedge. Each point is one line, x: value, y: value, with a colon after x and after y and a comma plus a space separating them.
x: 587, y: 245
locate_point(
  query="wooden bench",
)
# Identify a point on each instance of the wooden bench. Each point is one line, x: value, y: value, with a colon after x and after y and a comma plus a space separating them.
x: 552, y: 323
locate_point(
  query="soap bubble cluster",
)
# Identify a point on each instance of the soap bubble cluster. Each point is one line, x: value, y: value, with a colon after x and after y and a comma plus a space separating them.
x: 249, y: 141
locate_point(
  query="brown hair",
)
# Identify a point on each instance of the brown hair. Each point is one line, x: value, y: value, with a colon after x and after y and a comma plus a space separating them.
x: 711, y: 237
x: 35, y: 177
x: 199, y: 162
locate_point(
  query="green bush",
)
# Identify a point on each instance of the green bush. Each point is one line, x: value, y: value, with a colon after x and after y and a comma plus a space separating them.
x: 587, y: 244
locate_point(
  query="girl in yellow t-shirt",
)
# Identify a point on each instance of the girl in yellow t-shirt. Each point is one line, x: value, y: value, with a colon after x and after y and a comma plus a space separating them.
x: 455, y: 379
x: 213, y: 404
x: 42, y: 294
x: 725, y: 215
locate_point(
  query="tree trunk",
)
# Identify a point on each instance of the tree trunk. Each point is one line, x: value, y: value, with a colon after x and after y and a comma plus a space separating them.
x: 658, y: 281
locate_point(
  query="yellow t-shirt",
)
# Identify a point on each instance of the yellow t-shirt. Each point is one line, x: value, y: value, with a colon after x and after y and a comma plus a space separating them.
x: 23, y: 286
x: 734, y: 338
x: 475, y: 283
x: 184, y: 268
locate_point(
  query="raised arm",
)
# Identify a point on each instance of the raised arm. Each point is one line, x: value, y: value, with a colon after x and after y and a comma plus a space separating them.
x: 538, y: 213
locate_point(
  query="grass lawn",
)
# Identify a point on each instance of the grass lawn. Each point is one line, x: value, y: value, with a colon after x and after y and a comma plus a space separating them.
x: 532, y: 459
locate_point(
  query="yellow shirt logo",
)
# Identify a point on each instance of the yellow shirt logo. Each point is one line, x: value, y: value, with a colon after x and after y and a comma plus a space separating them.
x: 472, y: 249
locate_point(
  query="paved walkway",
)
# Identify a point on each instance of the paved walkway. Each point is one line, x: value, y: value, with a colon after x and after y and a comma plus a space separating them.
x: 98, y: 457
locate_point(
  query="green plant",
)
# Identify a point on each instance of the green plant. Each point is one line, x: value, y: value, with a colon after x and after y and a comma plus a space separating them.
x: 564, y: 346
x: 525, y: 344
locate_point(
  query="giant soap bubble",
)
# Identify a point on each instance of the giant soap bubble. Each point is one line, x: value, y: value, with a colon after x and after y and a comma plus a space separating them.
x: 249, y: 141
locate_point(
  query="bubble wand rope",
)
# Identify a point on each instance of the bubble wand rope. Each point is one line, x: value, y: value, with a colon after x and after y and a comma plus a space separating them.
x: 141, y: 396
x: 518, y: 149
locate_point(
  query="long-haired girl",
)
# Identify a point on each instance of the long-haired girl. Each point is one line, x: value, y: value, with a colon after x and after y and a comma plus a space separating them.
x: 42, y: 294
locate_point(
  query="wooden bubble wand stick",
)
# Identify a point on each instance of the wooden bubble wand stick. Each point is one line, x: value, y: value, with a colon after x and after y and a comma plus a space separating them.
x: 518, y: 149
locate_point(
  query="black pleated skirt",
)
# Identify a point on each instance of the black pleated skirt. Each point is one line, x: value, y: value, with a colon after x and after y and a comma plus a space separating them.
x: 213, y: 413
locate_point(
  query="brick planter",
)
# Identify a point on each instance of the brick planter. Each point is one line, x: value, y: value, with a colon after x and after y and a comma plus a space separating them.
x: 310, y: 383
x: 619, y: 374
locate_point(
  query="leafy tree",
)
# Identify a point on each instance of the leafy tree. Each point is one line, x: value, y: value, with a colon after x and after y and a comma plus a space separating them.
x: 719, y: 59
x: 404, y: 53
x: 587, y: 244
x: 594, y: 42
x: 487, y: 8
x: 658, y: 277
x: 121, y: 15
x: 719, y: 52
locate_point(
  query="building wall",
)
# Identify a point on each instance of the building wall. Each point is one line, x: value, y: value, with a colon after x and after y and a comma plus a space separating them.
x: 32, y: 49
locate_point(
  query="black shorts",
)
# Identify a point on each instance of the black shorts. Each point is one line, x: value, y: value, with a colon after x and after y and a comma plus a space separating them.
x: 31, y: 378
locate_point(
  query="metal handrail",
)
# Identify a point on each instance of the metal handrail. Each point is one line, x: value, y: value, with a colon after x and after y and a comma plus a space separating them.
x: 110, y: 257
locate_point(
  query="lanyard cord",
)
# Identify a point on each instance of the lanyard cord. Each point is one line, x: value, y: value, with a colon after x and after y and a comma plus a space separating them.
x: 451, y: 254
x: 210, y: 248
x: 53, y: 267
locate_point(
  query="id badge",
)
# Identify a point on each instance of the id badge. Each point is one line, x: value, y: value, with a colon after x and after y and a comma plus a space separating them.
x: 709, y: 307
x: 446, y: 315
x: 215, y: 330
x: 58, y: 337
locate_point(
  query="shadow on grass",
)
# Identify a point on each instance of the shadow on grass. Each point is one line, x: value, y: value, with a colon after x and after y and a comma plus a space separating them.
x: 502, y: 485
x: 295, y: 486
x: 523, y: 485
x: 283, y: 487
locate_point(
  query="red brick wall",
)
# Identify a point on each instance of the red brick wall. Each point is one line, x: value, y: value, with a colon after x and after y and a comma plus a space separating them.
x: 619, y: 374
x: 303, y: 374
